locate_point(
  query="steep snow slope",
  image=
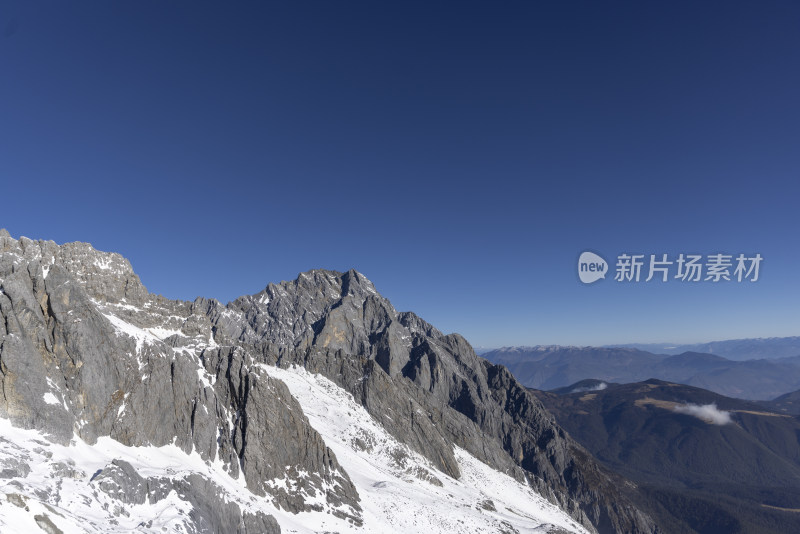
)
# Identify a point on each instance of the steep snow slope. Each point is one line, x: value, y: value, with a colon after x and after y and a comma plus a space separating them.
x: 73, y: 487
x: 76, y: 488
x: 400, y: 490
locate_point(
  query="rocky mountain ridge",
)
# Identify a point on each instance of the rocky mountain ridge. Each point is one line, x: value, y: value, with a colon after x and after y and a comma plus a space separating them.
x: 88, y: 352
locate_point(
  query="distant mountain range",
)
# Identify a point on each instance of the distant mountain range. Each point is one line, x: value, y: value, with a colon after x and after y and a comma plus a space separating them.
x: 732, y: 349
x: 550, y: 367
x: 712, y: 464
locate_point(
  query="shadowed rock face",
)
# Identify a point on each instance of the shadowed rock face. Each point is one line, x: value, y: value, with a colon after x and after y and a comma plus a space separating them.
x: 87, y: 350
x: 121, y: 481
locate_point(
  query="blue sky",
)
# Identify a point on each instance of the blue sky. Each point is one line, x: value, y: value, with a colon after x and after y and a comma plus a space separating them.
x: 460, y: 155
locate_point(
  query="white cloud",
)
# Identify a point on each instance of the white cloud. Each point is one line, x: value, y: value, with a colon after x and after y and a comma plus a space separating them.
x: 707, y: 412
x: 599, y: 387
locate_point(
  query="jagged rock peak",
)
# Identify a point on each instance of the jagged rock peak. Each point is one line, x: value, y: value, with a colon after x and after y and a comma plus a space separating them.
x: 87, y: 350
x: 106, y: 276
x: 329, y: 282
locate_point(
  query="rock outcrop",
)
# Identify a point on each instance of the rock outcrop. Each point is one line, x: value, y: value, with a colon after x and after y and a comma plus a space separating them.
x: 86, y: 350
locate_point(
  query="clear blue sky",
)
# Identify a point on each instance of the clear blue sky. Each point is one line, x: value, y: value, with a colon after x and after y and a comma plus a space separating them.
x: 459, y: 154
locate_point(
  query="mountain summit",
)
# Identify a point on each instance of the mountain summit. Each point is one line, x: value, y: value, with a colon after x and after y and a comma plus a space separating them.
x: 311, y: 405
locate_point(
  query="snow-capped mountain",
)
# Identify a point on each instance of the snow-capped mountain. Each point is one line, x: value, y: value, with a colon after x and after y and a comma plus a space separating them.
x: 311, y: 406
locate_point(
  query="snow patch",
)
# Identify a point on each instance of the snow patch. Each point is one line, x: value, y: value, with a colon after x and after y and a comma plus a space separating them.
x: 163, y: 333
x: 58, y: 485
x: 400, y: 490
x: 125, y: 328
x: 206, y: 379
x: 103, y: 263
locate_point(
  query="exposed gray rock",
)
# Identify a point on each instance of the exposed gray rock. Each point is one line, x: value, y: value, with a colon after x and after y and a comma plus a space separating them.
x: 16, y: 499
x: 46, y: 525
x: 272, y: 439
x: 76, y: 357
x: 429, y: 390
x: 14, y: 468
x: 210, y: 512
x: 120, y: 481
x: 85, y: 349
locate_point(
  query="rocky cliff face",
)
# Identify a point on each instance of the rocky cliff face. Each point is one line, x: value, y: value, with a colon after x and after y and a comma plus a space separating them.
x: 86, y: 351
